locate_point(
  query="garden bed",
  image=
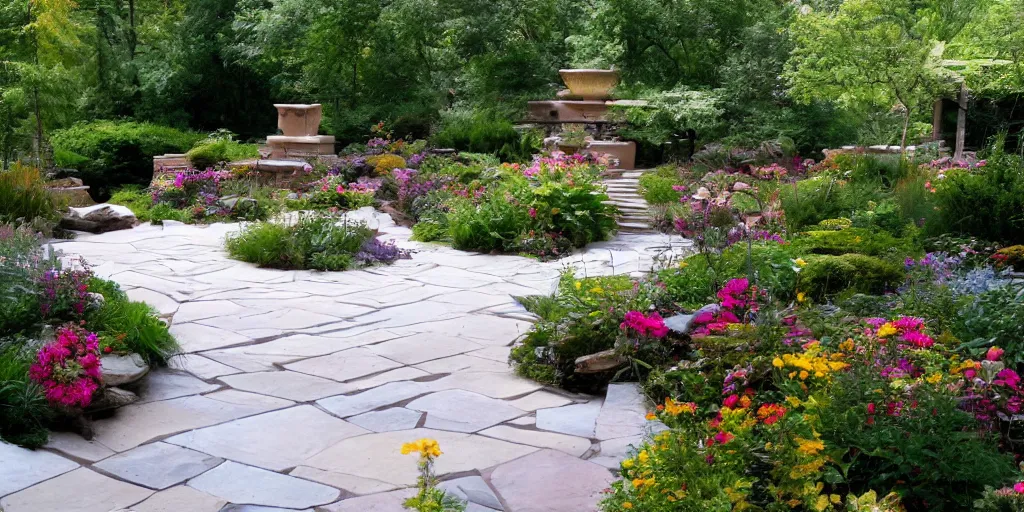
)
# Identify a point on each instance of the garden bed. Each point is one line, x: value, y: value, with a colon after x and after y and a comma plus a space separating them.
x: 839, y: 324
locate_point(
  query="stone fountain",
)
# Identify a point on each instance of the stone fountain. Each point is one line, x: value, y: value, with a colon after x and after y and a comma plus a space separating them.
x: 587, y: 102
x: 299, y: 125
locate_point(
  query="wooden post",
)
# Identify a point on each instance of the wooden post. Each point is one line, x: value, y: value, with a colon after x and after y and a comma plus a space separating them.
x: 937, y: 120
x: 961, y: 122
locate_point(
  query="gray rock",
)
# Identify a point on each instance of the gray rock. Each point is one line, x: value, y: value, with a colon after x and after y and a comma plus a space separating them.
x: 107, y: 217
x: 111, y: 398
x: 118, y: 370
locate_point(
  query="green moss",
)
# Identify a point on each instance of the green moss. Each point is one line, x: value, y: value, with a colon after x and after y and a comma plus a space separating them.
x: 657, y: 189
x: 850, y: 241
x: 827, y: 275
x: 211, y: 153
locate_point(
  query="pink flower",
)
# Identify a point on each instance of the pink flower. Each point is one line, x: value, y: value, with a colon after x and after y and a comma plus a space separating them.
x: 723, y: 437
x: 871, y: 408
x: 1006, y: 377
x: 1018, y: 487
x: 994, y: 353
x: 731, y: 401
x: 532, y: 213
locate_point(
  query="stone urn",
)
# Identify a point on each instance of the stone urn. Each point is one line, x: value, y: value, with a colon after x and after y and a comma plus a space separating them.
x: 590, y: 84
x: 299, y: 120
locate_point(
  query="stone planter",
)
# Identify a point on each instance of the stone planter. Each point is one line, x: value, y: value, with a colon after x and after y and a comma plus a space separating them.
x: 298, y: 120
x: 300, y: 124
x: 590, y: 84
x: 623, y: 151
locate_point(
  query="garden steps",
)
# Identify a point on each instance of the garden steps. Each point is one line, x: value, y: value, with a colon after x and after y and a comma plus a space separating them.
x: 634, y: 212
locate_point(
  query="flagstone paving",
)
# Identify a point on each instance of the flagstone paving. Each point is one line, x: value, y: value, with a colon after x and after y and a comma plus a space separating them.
x: 295, y: 390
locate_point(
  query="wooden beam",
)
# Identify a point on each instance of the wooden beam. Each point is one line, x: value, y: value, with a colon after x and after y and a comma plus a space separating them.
x: 961, y: 122
x: 937, y: 120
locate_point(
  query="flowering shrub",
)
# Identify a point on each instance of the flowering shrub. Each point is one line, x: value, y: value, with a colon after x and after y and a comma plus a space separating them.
x: 65, y: 293
x: 69, y: 368
x: 333, y: 191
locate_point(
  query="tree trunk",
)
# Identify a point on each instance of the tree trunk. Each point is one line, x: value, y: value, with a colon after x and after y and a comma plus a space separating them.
x: 961, y: 122
x: 906, y: 126
x: 37, y: 142
x: 937, y: 120
x: 132, y: 37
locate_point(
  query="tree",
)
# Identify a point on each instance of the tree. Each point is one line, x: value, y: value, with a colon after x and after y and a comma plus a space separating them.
x: 869, y: 52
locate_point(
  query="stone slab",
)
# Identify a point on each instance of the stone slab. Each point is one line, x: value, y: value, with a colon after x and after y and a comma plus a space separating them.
x: 180, y: 499
x: 162, y: 384
x: 384, y: 502
x: 197, y: 338
x: 135, y: 424
x: 158, y: 465
x: 246, y: 485
x: 350, y: 405
x: 345, y: 365
x: 200, y: 366
x: 463, y: 411
x: 421, y: 347
x: 472, y: 490
x: 396, y: 418
x: 75, y: 446
x: 379, y: 456
x: 81, y: 490
x: 22, y: 468
x: 286, y: 384
x: 350, y: 483
x: 276, y: 440
x: 576, y: 420
x: 502, y: 384
x: 575, y: 446
x: 540, y: 400
x: 538, y: 483
x: 623, y: 413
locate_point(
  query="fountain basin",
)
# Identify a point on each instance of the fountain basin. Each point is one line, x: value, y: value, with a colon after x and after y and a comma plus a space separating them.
x: 298, y: 120
x: 590, y: 84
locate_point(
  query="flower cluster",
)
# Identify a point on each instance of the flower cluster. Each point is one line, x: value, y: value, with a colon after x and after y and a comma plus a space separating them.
x: 909, y: 330
x: 770, y: 172
x: 426, y: 448
x: 374, y: 251
x: 813, y: 361
x: 644, y: 325
x: 65, y: 293
x: 69, y: 367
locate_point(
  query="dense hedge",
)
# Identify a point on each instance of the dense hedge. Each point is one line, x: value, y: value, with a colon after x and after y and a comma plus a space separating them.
x: 109, y: 154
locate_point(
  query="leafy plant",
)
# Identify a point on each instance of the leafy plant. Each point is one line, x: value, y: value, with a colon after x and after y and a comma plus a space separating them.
x: 23, y: 197
x: 128, y: 326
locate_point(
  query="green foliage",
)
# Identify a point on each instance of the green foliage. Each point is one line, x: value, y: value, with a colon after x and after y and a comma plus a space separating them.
x: 210, y: 153
x: 939, y: 471
x: 24, y: 199
x: 987, y: 203
x: 119, y: 153
x: 828, y: 275
x: 808, y: 202
x: 483, y: 132
x: 850, y: 241
x: 657, y: 188
x: 312, y: 242
x: 136, y: 198
x: 131, y: 326
x: 24, y: 411
x: 994, y: 318
x: 694, y: 283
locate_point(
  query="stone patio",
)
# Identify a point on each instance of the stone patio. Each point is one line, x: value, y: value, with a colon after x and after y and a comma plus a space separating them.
x: 296, y: 389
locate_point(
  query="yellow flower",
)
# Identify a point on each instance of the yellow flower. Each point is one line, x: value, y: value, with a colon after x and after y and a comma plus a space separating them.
x: 801, y: 296
x: 637, y: 482
x: 597, y: 290
x: 777, y: 362
x: 643, y: 457
x: 627, y: 505
x: 651, y: 416
x: 424, y: 447
x: 809, y: 446
x: 887, y: 329
x: 683, y: 264
x: 804, y: 375
x: 935, y: 378
x: 627, y: 464
x: 800, y: 262
x: 555, y: 211
x: 676, y: 408
x: 847, y: 345
x: 822, y: 503
x: 578, y: 285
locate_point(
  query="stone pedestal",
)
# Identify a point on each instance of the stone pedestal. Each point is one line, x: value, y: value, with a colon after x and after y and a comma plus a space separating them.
x: 299, y: 124
x: 623, y: 151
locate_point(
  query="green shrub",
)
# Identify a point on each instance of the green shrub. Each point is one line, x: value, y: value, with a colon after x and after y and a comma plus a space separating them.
x: 849, y: 241
x: 886, y: 216
x: 209, y: 153
x: 694, y: 283
x: 429, y: 230
x: 987, y: 203
x: 135, y: 198
x: 826, y: 275
x: 657, y: 189
x: 117, y: 153
x: 312, y: 242
x: 163, y: 211
x: 23, y: 197
x: 132, y: 327
x: 483, y: 132
x: 994, y: 318
x: 24, y: 411
x: 808, y: 202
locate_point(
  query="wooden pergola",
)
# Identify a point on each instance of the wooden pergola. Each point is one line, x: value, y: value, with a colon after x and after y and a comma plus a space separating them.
x: 960, y: 69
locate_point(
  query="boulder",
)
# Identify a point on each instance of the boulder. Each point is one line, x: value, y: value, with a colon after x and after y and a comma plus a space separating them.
x: 599, y: 362
x: 100, y: 218
x: 111, y: 398
x: 118, y: 370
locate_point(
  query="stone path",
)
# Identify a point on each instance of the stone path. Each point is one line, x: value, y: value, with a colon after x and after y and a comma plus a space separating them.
x: 296, y: 389
x: 634, y: 212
